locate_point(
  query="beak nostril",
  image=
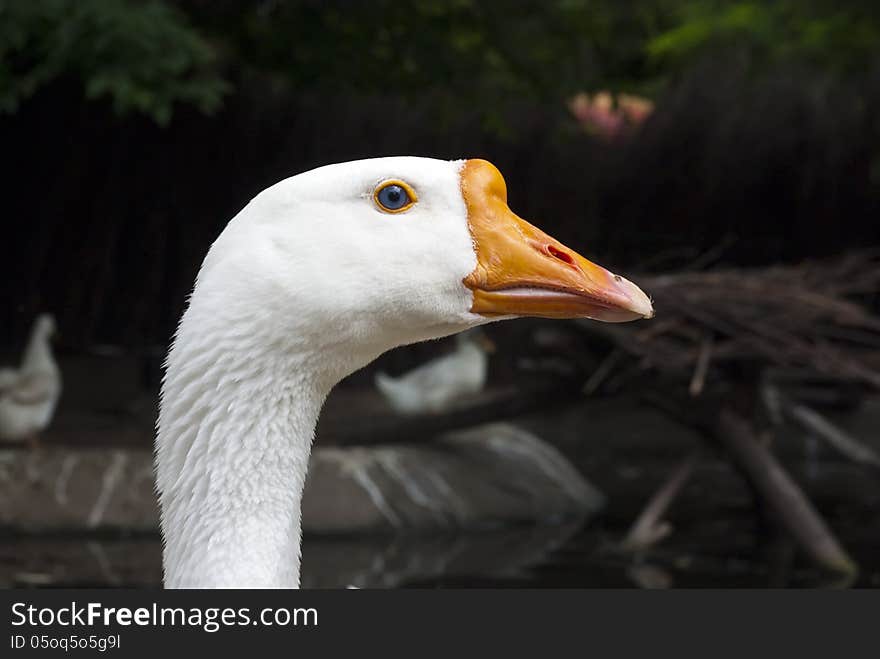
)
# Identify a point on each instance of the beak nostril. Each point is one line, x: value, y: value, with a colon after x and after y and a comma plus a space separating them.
x: 556, y: 253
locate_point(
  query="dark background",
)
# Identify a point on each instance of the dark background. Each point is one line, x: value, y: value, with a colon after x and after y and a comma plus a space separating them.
x: 133, y: 131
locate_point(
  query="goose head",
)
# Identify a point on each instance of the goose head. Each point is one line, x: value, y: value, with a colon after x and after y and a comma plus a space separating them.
x: 314, y: 278
x: 45, y: 327
x: 368, y: 255
x: 38, y: 353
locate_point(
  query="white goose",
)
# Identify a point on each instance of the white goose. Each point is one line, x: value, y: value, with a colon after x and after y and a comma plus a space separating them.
x: 435, y: 385
x: 315, y: 278
x: 29, y: 394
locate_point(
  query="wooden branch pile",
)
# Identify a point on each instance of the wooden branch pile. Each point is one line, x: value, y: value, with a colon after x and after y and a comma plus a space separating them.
x: 807, y: 322
x: 809, y: 317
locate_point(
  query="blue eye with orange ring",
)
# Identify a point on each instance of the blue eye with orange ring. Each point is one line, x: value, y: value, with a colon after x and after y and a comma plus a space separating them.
x: 394, y: 196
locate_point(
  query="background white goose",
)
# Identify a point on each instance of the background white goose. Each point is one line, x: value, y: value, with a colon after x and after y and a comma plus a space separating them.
x: 315, y: 278
x: 436, y: 384
x: 29, y: 394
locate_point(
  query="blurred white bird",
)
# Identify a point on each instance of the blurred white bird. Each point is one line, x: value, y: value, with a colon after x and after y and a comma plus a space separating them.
x: 29, y: 394
x: 435, y: 385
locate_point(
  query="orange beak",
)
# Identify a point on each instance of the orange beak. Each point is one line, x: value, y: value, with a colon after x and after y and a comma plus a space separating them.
x: 521, y: 271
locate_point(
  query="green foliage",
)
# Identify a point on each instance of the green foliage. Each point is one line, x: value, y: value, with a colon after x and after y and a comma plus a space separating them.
x: 841, y: 36
x: 489, y: 53
x: 146, y: 56
x: 143, y: 56
x: 402, y: 46
x: 468, y: 55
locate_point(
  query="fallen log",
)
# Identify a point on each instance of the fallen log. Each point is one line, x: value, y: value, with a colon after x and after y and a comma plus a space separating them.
x: 844, y: 443
x: 510, y: 402
x: 792, y: 509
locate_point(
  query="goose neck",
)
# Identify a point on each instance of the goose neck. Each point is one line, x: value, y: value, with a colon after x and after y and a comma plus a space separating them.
x: 233, y: 444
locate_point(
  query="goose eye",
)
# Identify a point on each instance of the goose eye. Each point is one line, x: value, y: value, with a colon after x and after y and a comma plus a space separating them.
x: 394, y: 196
